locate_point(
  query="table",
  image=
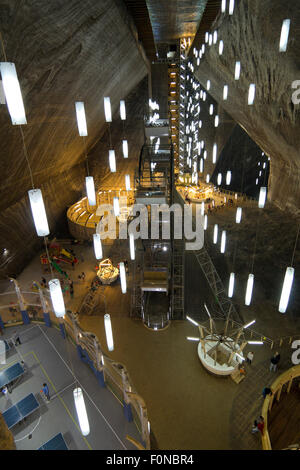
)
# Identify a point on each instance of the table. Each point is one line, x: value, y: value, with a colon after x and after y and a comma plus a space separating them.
x: 56, y: 443
x: 10, y: 374
x: 20, y: 410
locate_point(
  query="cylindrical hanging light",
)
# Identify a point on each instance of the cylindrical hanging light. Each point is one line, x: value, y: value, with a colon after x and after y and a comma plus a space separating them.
x: 251, y: 94
x: 123, y: 278
x: 219, y: 180
x: 81, y: 411
x: 223, y: 6
x: 238, y: 216
x: 214, y: 155
x: 112, y: 161
x: 81, y: 119
x: 127, y: 182
x: 207, y: 178
x: 125, y: 148
x: 228, y: 178
x: 221, y: 47
x: 225, y: 92
x: 216, y: 229
x: 284, y: 36
x: 211, y: 109
x: 131, y: 246
x: 12, y: 92
x: 217, y: 121
x: 231, y: 285
x: 108, y: 332
x: 57, y: 298
x: 286, y: 289
x: 249, y: 289
x: 116, y: 206
x: 205, y: 222
x: 231, y: 7
x: 122, y: 110
x: 202, y: 207
x: 107, y: 109
x: 201, y: 165
x: 38, y: 212
x: 237, y: 71
x: 97, y: 246
x: 90, y: 190
x: 262, y: 197
x: 223, y: 241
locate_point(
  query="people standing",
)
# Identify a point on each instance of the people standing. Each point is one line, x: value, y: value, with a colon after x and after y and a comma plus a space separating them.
x: 46, y: 391
x: 266, y: 391
x: 71, y: 289
x: 274, y: 361
x: 16, y: 339
x: 83, y: 276
x: 259, y: 425
x: 249, y: 358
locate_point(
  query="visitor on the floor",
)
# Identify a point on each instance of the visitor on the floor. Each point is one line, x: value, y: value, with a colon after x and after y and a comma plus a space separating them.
x: 266, y: 391
x: 46, y: 391
x: 250, y: 356
x: 274, y: 361
x: 259, y: 425
x: 16, y: 339
x: 71, y: 290
x: 4, y: 391
x: 43, y: 282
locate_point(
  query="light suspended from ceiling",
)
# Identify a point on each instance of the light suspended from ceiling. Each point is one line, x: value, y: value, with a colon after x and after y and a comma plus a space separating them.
x: 131, y: 246
x: 57, y: 298
x: 107, y: 109
x: 12, y: 92
x: 97, y: 246
x: 286, y: 289
x: 122, y: 110
x: 90, y: 190
x: 112, y: 161
x: 231, y: 285
x: 81, y: 411
x: 108, y: 332
x: 237, y: 71
x: 284, y: 36
x: 238, y: 217
x: 215, y: 237
x: 262, y: 197
x: 38, y: 212
x: 251, y: 94
x: 127, y: 182
x: 81, y: 119
x: 249, y: 289
x: 123, y: 277
x: 223, y: 242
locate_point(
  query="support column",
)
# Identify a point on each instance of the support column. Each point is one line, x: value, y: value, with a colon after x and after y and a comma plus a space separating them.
x: 1, y: 323
x: 25, y: 317
x: 45, y: 308
x: 62, y: 330
x: 126, y: 402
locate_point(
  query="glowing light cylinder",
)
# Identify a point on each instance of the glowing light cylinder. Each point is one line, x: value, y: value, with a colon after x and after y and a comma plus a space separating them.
x: 249, y: 290
x: 211, y: 109
x: 215, y: 37
x: 284, y: 36
x: 208, y: 85
x: 205, y: 222
x: 81, y: 120
x: 116, y: 206
x: 107, y: 109
x: 127, y: 182
x: 131, y: 246
x: 223, y: 6
x: 201, y: 165
x: 12, y: 92
x: 216, y: 121
x: 251, y: 94
x: 202, y: 208
x: 228, y: 178
x: 207, y: 178
x: 122, y: 110
x: 221, y: 47
x: 262, y: 197
x: 112, y: 161
x: 108, y: 332
x: 237, y: 71
x: 216, y: 230
x: 97, y: 246
x: 214, y: 154
x: 286, y: 289
x: 123, y: 278
x: 38, y: 212
x: 238, y: 216
x: 231, y: 7
x: 57, y: 298
x: 90, y: 190
x: 231, y: 285
x: 219, y: 180
x: 125, y: 148
x: 225, y: 92
x: 223, y: 241
x: 81, y: 411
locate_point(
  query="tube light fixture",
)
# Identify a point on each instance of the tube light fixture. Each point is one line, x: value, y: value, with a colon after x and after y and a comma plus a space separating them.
x: 249, y: 289
x: 216, y: 229
x: 214, y: 154
x: 223, y: 241
x: 221, y: 47
x: 57, y: 298
x: 231, y: 7
x: 231, y: 285
x: 251, y: 94
x: 215, y: 37
x: 127, y: 182
x: 262, y: 197
x: 81, y: 120
x: 122, y: 110
x: 284, y: 36
x: 97, y: 246
x: 223, y: 6
x: 210, y: 39
x: 211, y: 109
x: 38, y: 212
x: 255, y: 342
x: 131, y: 246
x: 107, y: 109
x: 249, y: 324
x: 228, y: 177
x: 12, y: 92
x: 202, y: 207
x: 112, y: 161
x: 237, y: 72
x: 125, y: 148
x: 192, y: 321
x: 208, y: 85
x: 207, y: 178
x: 286, y: 289
x: 238, y: 216
x: 191, y: 338
x: 225, y: 92
x: 219, y: 180
x: 116, y: 206
x: 81, y: 411
x: 216, y: 121
x: 201, y: 165
x: 206, y: 36
x: 90, y: 190
x: 108, y: 332
x: 205, y: 222
x: 123, y: 277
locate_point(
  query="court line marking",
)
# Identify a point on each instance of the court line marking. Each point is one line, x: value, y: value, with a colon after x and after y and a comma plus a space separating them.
x: 61, y: 400
x: 108, y: 424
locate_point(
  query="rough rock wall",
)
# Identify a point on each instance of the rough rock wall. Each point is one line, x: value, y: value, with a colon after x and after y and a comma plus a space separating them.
x: 64, y: 52
x: 252, y: 36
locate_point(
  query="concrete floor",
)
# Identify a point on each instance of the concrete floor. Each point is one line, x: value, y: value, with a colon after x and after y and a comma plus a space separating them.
x: 49, y: 358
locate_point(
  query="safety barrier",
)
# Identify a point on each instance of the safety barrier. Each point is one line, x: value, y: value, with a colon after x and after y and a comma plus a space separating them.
x: 20, y: 307
x: 285, y: 379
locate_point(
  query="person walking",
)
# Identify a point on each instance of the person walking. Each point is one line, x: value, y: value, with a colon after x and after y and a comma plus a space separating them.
x: 259, y: 425
x: 266, y: 391
x: 46, y: 392
x: 249, y: 358
x: 71, y: 290
x: 83, y: 276
x: 274, y: 361
x: 16, y: 339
